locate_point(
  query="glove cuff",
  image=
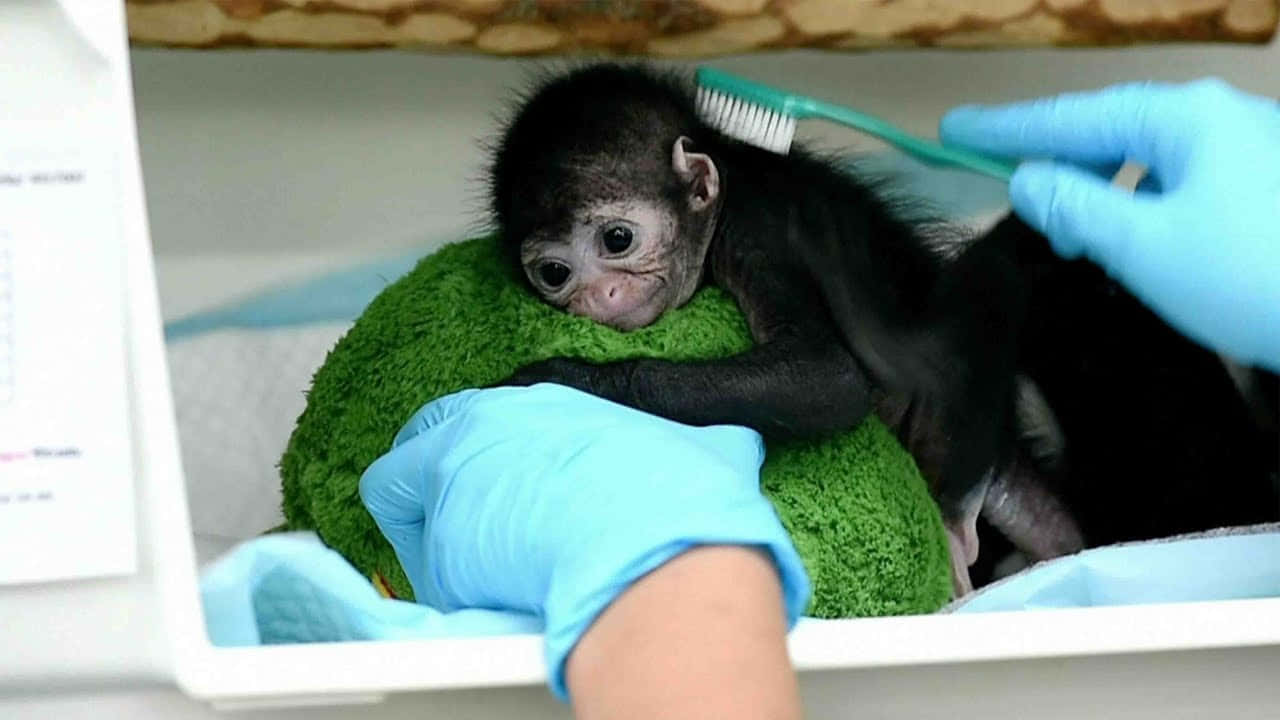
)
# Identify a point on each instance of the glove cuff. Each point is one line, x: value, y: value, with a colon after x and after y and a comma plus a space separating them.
x: 590, y: 581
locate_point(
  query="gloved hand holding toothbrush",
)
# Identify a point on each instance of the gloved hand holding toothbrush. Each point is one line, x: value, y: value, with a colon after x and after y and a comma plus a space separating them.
x: 1202, y: 246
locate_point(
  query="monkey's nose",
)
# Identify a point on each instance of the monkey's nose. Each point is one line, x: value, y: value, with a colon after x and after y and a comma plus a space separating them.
x: 613, y: 297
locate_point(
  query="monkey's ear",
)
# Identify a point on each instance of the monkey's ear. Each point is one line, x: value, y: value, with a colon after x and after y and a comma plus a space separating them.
x: 698, y: 172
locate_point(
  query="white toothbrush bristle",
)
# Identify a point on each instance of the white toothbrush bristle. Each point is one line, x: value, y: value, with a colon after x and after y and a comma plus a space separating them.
x: 746, y: 121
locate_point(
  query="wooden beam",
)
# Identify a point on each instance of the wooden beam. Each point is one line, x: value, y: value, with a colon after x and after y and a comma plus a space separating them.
x: 692, y: 28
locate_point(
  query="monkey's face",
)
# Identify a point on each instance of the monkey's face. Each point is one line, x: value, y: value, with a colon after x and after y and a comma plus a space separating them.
x: 624, y: 261
x: 615, y: 262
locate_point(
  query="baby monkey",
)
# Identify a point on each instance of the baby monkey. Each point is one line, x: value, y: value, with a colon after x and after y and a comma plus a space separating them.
x: 1032, y: 391
x: 618, y: 203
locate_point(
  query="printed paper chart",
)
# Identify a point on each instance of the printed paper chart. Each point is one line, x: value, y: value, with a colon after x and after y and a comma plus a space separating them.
x: 7, y: 301
x: 66, y: 465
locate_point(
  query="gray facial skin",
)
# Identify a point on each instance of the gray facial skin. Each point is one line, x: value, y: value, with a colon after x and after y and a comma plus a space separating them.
x: 624, y: 263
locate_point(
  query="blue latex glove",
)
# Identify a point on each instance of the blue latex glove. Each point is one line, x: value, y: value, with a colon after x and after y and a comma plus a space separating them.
x: 1202, y: 248
x: 551, y: 501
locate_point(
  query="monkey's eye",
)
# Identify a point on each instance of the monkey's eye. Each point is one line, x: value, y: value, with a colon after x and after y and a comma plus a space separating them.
x: 617, y: 239
x: 553, y: 273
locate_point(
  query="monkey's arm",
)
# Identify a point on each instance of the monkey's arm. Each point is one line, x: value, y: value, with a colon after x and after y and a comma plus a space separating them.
x: 787, y: 387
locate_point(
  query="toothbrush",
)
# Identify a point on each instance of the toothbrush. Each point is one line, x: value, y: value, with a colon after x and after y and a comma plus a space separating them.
x: 766, y: 117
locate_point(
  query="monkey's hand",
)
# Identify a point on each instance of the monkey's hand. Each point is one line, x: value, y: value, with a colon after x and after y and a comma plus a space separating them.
x: 576, y: 374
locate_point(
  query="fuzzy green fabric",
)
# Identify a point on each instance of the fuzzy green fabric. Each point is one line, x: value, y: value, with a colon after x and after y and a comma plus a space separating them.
x: 855, y: 505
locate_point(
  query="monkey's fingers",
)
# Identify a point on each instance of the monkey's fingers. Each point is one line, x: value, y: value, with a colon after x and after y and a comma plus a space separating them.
x: 561, y: 371
x: 962, y: 537
x: 959, y: 546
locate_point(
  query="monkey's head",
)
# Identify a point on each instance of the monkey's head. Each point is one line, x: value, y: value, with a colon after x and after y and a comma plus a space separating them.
x: 605, y: 193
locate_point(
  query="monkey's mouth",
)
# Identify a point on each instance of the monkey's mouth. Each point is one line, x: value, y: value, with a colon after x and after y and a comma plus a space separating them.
x: 633, y: 319
x: 639, y: 315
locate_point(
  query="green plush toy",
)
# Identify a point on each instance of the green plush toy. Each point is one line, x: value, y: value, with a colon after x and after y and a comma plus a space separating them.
x: 856, y: 506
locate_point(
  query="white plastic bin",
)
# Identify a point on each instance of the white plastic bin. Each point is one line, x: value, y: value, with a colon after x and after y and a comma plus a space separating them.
x: 144, y: 630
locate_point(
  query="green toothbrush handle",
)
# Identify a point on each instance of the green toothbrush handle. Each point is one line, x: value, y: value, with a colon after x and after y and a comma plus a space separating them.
x: 924, y: 150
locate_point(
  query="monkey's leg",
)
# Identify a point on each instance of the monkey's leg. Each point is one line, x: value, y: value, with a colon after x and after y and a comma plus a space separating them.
x: 1020, y: 504
x: 972, y: 434
x: 922, y: 430
x: 978, y: 313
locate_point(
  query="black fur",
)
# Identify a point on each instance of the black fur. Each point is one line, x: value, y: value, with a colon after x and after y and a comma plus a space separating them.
x: 852, y: 310
x: 855, y: 311
x: 1159, y: 441
x: 596, y: 133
